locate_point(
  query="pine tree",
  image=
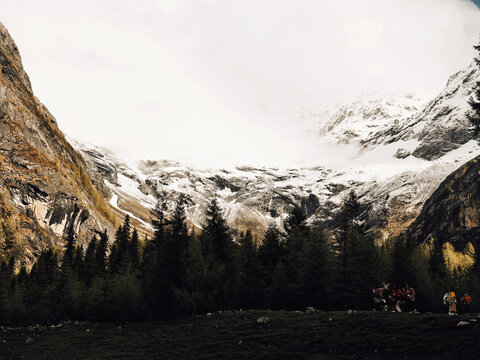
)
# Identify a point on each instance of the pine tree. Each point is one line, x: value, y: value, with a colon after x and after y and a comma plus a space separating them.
x: 78, y: 262
x: 357, y: 257
x: 101, y: 254
x: 315, y: 271
x: 135, y: 250
x: 125, y: 238
x: 68, y: 256
x: 90, y: 267
x: 178, y: 243
x: 286, y: 280
x: 153, y: 275
x: 120, y: 256
x: 11, y: 271
x: 366, y: 260
x: 437, y: 265
x: 474, y: 101
x: 269, y: 253
x: 217, y: 252
x: 5, y: 279
x: 401, y: 264
x: 22, y: 275
x: 346, y: 239
x: 159, y: 220
x: 114, y: 259
x: 296, y: 222
x: 249, y: 284
x: 217, y: 239
x: 41, y: 290
x: 68, y: 293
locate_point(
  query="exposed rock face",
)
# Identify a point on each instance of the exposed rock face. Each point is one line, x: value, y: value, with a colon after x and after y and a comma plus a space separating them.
x: 391, y: 196
x: 46, y: 178
x: 251, y: 197
x: 452, y: 213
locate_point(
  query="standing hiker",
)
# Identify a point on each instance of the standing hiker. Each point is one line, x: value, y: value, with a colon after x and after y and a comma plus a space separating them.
x: 397, y: 298
x: 452, y: 309
x: 466, y: 302
x: 379, y: 302
x: 446, y: 300
x: 410, y: 298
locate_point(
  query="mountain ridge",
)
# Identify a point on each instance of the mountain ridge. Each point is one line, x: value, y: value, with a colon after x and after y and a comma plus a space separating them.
x: 403, y: 151
x: 395, y: 169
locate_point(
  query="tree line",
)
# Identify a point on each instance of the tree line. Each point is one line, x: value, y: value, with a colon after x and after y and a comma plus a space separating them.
x: 180, y: 272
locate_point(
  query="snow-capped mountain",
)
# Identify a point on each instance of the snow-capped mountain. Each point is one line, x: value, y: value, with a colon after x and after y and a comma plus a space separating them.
x: 400, y: 148
x: 404, y: 147
x: 357, y: 121
x: 440, y: 127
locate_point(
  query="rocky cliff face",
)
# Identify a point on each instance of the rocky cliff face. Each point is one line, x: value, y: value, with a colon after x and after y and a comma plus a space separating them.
x: 45, y: 186
x: 452, y: 213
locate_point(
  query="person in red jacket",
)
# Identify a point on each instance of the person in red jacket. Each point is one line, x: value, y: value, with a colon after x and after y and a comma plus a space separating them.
x: 466, y: 302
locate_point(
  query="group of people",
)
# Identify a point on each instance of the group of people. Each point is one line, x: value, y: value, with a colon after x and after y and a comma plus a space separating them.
x: 391, y: 298
x: 450, y: 300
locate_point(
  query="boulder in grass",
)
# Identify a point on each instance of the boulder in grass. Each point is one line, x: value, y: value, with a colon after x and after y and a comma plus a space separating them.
x: 463, y: 323
x: 311, y: 309
x: 29, y: 340
x: 263, y: 320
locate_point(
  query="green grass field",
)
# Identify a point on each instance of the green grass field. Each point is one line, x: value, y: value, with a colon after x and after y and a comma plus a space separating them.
x: 237, y: 335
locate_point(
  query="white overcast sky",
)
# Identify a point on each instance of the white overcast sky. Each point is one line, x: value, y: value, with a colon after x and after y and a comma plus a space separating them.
x: 215, y: 80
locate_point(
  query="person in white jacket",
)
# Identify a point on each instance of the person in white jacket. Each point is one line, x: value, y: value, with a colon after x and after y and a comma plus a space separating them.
x: 446, y: 299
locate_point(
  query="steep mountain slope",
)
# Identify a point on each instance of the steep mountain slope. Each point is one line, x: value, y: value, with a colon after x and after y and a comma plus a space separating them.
x: 44, y: 185
x: 439, y: 127
x: 401, y: 150
x: 452, y: 213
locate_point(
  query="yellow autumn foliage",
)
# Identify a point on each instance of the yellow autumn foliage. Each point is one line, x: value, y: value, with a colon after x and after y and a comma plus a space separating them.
x: 10, y: 235
x: 458, y: 259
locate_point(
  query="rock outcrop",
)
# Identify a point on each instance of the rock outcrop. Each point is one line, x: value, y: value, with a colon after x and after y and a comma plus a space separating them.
x: 45, y: 187
x: 452, y: 213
